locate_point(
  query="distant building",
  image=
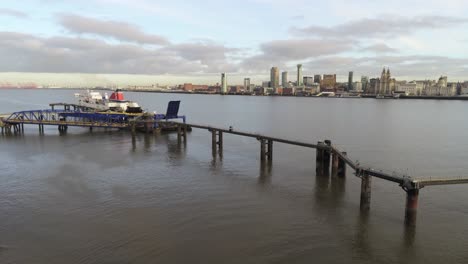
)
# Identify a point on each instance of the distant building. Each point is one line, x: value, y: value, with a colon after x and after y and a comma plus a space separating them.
x: 317, y: 78
x: 440, y: 88
x: 247, y: 84
x: 266, y: 84
x: 357, y: 86
x: 350, y: 81
x: 373, y: 86
x: 223, y: 83
x: 274, y: 78
x: 365, y: 82
x: 386, y: 83
x: 328, y: 82
x: 284, y: 79
x: 299, y: 75
x: 308, y: 81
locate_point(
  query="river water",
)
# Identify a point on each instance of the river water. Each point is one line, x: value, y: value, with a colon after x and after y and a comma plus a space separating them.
x: 103, y: 197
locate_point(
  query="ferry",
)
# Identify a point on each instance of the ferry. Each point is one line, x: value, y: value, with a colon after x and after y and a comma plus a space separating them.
x: 116, y: 102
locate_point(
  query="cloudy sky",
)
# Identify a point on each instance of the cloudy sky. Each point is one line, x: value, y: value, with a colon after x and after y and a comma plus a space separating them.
x: 180, y: 40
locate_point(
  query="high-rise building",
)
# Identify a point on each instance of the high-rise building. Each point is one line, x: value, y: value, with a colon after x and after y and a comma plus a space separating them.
x: 350, y: 81
x: 274, y: 78
x: 299, y: 75
x: 365, y: 82
x: 223, y: 83
x: 247, y: 84
x: 284, y: 79
x: 317, y: 78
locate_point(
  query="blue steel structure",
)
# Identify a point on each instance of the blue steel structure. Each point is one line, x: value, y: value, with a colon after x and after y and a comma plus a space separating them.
x: 67, y: 117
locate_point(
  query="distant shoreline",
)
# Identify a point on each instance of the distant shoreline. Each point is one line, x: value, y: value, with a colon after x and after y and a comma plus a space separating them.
x: 365, y: 96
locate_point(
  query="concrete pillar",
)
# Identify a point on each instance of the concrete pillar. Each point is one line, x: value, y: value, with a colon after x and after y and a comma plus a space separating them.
x: 341, y: 166
x: 262, y: 150
x: 270, y: 150
x: 411, y: 206
x: 365, y: 192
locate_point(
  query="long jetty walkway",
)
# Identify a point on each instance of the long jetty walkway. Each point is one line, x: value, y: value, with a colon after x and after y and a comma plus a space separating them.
x: 329, y: 160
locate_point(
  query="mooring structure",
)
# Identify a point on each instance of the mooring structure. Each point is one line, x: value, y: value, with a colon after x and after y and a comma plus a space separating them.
x: 330, y: 161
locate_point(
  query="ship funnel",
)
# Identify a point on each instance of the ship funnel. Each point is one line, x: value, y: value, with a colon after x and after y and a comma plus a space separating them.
x: 117, y: 95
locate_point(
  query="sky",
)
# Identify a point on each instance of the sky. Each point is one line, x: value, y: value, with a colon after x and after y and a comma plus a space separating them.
x: 98, y: 42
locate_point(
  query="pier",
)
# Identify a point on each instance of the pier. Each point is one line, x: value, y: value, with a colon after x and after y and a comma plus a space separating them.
x: 330, y: 161
x: 79, y: 116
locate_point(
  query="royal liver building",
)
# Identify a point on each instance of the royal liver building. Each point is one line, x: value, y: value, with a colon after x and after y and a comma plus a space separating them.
x: 385, y: 85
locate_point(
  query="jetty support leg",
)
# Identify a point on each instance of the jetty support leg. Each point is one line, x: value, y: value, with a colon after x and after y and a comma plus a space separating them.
x: 184, y: 133
x: 262, y: 150
x: 327, y: 158
x: 341, y: 166
x: 412, y: 196
x: 213, y: 142
x: 334, y: 169
x: 179, y: 134
x: 319, y: 159
x: 365, y: 192
x: 220, y: 142
x: 270, y: 151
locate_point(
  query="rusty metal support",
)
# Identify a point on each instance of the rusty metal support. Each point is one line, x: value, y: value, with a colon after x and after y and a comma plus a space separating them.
x: 365, y: 192
x: 412, y: 196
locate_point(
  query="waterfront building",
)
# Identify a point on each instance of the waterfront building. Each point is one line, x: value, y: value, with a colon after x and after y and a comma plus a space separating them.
x: 328, y: 82
x: 350, y: 81
x: 308, y: 80
x: 373, y: 86
x: 247, y: 84
x: 440, y: 88
x: 284, y: 79
x: 357, y: 87
x: 386, y: 83
x: 223, y: 83
x: 266, y: 84
x: 317, y: 78
x: 299, y: 75
x: 274, y: 78
x: 365, y: 83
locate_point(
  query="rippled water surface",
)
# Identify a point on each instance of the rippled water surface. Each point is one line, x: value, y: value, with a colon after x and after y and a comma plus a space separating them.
x: 105, y: 197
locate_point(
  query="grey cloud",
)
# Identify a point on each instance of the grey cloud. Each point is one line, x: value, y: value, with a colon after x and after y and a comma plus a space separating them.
x: 28, y: 53
x: 279, y: 52
x: 379, y: 48
x: 402, y: 67
x: 107, y: 28
x: 12, y: 12
x: 385, y: 25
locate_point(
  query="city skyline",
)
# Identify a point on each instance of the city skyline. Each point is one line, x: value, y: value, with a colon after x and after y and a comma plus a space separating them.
x: 110, y: 40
